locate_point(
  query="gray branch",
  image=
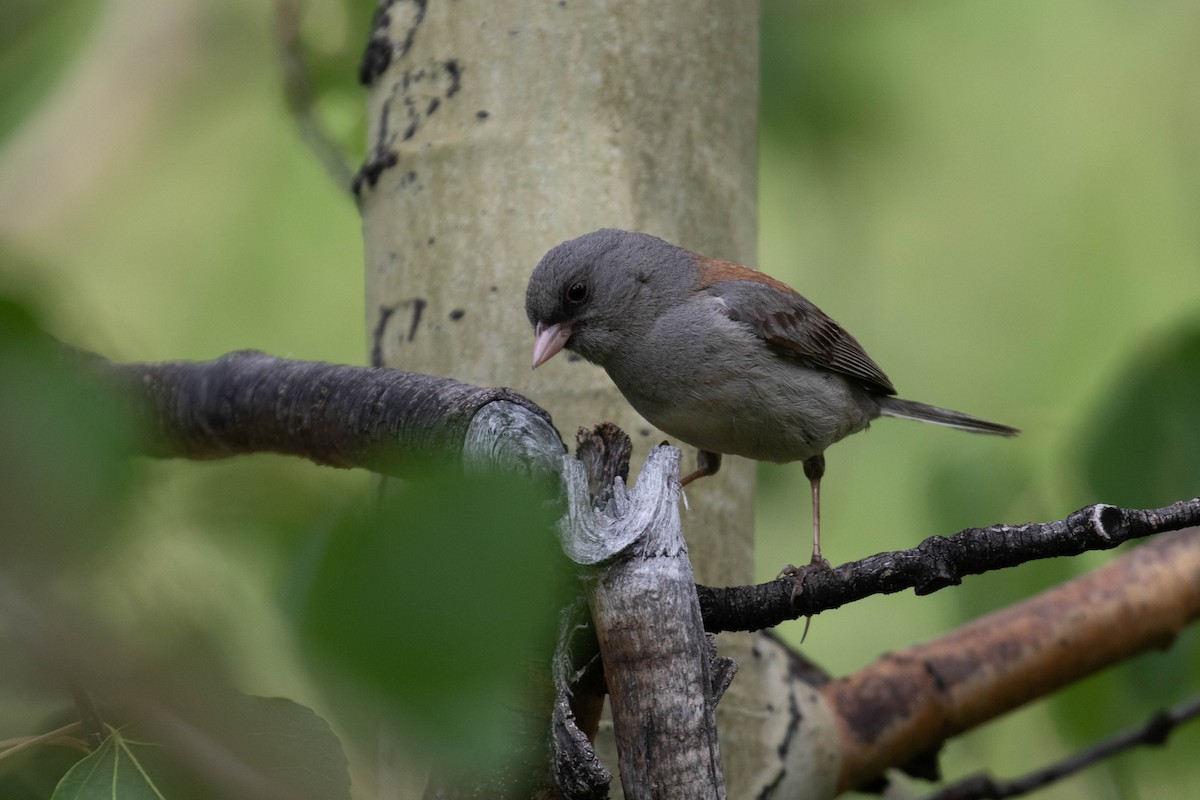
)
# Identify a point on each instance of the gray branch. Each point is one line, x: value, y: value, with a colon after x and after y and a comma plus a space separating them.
x: 1154, y: 733
x: 379, y: 419
x: 936, y: 563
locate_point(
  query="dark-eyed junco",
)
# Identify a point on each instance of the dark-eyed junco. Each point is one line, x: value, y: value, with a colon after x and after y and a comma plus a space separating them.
x: 719, y: 355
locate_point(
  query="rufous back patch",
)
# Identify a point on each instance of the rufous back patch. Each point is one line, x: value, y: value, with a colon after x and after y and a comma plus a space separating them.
x: 713, y: 271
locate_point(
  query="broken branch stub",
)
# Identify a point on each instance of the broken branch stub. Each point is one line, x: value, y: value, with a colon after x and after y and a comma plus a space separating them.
x: 642, y: 596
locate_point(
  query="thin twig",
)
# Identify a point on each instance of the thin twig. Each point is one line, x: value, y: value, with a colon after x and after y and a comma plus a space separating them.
x: 89, y: 716
x: 24, y: 743
x: 301, y: 95
x: 1154, y: 732
x: 936, y: 563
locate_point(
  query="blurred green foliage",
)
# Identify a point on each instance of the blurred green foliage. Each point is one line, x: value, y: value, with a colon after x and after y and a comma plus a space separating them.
x: 35, y: 775
x: 433, y: 607
x: 282, y: 750
x: 440, y: 605
x: 65, y: 472
x: 329, y: 47
x: 37, y: 43
x: 1140, y: 446
x: 998, y: 200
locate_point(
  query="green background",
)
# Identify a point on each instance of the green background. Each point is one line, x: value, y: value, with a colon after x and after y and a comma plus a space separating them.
x: 1000, y: 200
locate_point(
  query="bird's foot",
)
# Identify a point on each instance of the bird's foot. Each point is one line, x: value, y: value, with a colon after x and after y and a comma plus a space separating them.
x: 799, y: 575
x: 818, y: 563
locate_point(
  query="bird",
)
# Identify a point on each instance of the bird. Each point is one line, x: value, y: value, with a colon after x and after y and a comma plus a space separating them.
x: 721, y: 356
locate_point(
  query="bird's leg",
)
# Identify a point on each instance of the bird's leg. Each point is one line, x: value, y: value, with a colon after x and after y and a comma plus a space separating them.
x: 814, y: 469
x: 707, y: 463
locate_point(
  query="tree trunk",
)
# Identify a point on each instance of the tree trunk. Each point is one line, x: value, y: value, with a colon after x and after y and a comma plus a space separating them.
x: 499, y: 129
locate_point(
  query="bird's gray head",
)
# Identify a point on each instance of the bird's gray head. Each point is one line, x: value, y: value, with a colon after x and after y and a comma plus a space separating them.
x: 593, y: 293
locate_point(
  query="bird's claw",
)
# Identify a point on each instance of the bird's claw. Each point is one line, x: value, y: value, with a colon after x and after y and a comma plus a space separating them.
x: 819, y: 563
x: 798, y: 576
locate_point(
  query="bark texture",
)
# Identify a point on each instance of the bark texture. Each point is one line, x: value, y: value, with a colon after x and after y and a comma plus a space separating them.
x: 657, y: 663
x: 937, y: 563
x: 498, y: 129
x: 336, y: 415
x: 909, y: 702
x: 830, y: 734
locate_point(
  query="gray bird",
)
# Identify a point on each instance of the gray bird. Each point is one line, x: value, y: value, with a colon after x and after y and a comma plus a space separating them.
x: 716, y: 354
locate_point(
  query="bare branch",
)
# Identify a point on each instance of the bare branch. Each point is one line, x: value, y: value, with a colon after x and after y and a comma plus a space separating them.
x: 13, y: 747
x: 909, y: 701
x: 341, y: 416
x: 936, y: 563
x: 890, y: 712
x: 1154, y: 733
x: 301, y: 95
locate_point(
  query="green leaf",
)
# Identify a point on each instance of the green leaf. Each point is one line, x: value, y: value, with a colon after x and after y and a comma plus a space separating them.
x: 113, y: 772
x: 438, y: 606
x: 288, y: 745
x: 1140, y: 448
x: 237, y: 745
x: 65, y: 444
x: 34, y: 774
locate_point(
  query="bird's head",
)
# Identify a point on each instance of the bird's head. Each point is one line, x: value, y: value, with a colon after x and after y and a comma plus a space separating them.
x: 593, y: 294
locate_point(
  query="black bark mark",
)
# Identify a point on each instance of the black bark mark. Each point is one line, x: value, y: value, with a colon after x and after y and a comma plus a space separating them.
x: 385, y: 313
x: 423, y: 90
x: 381, y: 50
x: 418, y: 306
x: 382, y: 157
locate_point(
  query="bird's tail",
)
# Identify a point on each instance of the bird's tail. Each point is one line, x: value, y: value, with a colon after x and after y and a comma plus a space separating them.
x: 910, y: 409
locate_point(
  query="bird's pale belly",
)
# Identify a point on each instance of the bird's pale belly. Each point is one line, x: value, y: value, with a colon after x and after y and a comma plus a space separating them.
x: 779, y: 420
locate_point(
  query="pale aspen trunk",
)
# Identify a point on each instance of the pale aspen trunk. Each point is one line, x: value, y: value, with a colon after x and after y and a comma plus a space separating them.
x: 517, y: 125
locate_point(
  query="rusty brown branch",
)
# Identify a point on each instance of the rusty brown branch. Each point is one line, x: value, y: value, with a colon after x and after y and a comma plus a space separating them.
x: 910, y: 701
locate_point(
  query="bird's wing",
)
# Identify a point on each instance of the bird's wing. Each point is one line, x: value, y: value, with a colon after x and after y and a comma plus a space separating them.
x: 787, y: 320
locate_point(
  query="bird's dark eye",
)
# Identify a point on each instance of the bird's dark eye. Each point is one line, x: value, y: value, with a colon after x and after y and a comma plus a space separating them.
x: 577, y: 292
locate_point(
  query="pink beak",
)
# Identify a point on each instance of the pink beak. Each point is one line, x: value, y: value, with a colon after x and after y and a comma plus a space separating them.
x: 549, y: 340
